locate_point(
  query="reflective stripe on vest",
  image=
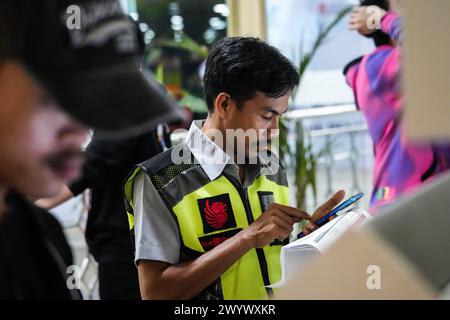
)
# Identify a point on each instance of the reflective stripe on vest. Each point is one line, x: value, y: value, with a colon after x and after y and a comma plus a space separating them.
x: 128, y: 193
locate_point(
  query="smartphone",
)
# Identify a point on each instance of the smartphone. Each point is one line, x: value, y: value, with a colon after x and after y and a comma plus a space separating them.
x: 326, y: 218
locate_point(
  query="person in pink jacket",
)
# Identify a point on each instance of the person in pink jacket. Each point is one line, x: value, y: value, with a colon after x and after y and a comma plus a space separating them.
x: 400, y: 165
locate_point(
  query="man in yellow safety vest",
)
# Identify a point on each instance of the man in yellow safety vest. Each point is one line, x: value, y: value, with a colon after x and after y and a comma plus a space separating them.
x: 210, y: 215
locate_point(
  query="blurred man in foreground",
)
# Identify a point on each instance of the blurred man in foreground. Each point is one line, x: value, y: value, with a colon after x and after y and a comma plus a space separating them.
x: 59, y: 74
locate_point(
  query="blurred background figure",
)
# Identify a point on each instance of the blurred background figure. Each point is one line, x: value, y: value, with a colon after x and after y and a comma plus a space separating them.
x: 400, y: 165
x: 108, y: 162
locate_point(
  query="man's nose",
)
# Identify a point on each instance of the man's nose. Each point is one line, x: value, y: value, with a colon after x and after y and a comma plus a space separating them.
x: 274, y: 129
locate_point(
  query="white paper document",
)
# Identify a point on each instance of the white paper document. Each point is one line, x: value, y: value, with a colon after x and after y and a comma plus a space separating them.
x: 297, y: 253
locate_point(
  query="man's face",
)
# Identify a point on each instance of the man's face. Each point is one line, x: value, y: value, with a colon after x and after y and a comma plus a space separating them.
x: 40, y: 146
x: 259, y: 120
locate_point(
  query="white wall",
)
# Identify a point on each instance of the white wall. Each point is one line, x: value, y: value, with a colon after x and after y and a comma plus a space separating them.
x: 293, y: 26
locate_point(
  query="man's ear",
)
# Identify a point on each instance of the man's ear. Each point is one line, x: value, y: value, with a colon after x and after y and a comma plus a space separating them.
x: 221, y: 104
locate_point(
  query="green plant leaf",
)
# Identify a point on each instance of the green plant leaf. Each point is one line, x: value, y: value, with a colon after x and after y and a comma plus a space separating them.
x: 186, y: 43
x: 303, y: 158
x: 159, y: 74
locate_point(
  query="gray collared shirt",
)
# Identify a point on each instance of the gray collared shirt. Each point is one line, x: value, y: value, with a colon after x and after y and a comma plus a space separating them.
x: 156, y: 232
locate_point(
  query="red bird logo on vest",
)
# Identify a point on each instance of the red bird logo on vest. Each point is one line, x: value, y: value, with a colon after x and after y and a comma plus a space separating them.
x: 216, y: 214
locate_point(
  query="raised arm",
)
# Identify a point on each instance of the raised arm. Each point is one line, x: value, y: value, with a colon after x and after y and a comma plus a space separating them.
x: 392, y: 25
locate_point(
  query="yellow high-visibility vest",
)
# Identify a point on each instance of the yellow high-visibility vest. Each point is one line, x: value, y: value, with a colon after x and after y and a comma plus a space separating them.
x: 210, y: 212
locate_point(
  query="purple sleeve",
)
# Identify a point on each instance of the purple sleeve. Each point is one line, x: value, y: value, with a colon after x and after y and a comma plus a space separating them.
x: 392, y: 25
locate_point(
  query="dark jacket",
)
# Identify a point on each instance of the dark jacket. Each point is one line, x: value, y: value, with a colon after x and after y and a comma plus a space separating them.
x: 34, y: 254
x: 108, y: 161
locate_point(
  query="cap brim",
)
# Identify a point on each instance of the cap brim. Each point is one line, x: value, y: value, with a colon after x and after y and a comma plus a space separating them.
x: 119, y: 101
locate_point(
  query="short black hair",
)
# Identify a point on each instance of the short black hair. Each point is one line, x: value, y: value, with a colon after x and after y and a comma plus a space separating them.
x: 383, y: 4
x: 379, y: 37
x: 241, y: 66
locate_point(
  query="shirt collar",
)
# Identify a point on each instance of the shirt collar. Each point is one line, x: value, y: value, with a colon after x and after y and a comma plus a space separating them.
x: 213, y: 159
x: 209, y: 155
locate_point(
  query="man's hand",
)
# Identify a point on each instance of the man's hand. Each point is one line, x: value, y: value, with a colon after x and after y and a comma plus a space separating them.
x: 323, y: 210
x: 186, y: 280
x: 276, y: 223
x: 365, y: 19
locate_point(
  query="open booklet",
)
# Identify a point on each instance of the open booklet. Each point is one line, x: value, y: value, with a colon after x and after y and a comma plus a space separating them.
x: 297, y: 253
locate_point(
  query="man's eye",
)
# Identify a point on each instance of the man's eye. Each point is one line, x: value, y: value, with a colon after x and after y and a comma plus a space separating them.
x: 266, y: 118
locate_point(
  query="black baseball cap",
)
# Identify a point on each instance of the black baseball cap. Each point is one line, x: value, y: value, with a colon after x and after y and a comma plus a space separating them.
x: 88, y: 55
